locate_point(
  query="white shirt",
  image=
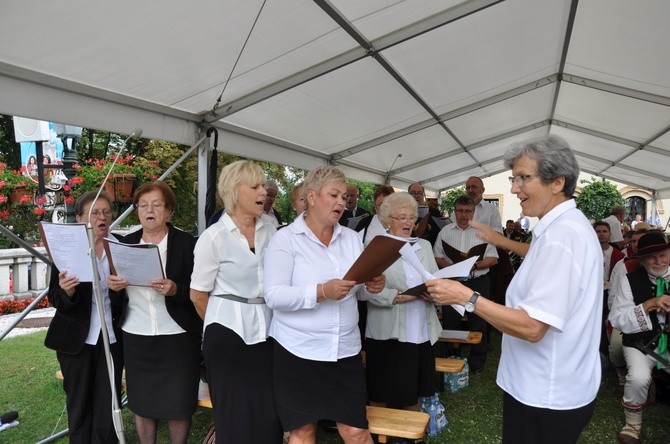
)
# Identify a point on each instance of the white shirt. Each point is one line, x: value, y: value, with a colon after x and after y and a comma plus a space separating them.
x: 147, y: 314
x: 489, y: 214
x: 617, y: 277
x: 559, y: 283
x: 462, y: 240
x: 95, y: 326
x: 374, y: 229
x: 628, y: 317
x: 615, y: 228
x: 224, y: 264
x: 295, y: 262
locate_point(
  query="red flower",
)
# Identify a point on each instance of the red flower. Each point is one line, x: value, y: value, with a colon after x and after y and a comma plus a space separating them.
x: 25, y: 198
x: 3, y: 198
x: 40, y: 200
x: 67, y: 189
x: 40, y: 211
x: 69, y: 200
x: 4, y: 214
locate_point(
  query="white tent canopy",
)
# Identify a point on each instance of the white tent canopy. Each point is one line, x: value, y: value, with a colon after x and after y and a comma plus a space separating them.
x: 450, y: 85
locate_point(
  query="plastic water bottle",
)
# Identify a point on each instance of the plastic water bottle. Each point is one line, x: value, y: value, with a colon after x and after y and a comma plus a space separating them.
x: 440, y: 415
x: 432, y: 412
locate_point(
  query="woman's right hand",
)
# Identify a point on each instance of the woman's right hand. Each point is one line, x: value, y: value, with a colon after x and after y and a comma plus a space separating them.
x: 336, y: 289
x: 67, y: 283
x: 116, y: 283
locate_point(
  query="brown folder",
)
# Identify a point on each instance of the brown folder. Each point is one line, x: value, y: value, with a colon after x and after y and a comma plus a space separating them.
x: 377, y: 257
x: 421, y: 229
x: 458, y: 256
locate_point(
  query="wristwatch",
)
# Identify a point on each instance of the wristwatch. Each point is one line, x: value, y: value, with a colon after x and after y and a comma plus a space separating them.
x: 470, y: 305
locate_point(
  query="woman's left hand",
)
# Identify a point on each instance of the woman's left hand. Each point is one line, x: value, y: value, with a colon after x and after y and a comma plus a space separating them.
x: 166, y: 287
x: 376, y: 284
x: 447, y: 291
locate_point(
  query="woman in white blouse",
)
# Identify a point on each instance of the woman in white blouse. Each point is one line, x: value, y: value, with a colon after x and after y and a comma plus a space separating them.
x: 401, y: 328
x: 161, y: 329
x: 226, y: 288
x: 318, y: 368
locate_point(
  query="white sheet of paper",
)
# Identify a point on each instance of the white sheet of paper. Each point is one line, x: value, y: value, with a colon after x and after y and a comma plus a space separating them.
x: 454, y: 334
x: 460, y: 269
x: 352, y: 222
x: 136, y: 264
x: 69, y: 249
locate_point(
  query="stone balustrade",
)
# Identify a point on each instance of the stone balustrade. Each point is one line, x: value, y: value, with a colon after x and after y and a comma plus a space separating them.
x: 29, y: 274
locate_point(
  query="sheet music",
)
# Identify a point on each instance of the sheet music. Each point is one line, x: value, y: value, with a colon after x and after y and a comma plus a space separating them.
x: 352, y: 222
x: 136, y: 263
x: 452, y: 271
x: 69, y: 249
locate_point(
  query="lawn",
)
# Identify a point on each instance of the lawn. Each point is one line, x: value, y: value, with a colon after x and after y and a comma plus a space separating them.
x: 28, y: 385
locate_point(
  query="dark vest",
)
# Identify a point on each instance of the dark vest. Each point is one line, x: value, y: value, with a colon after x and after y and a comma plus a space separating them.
x: 643, y: 289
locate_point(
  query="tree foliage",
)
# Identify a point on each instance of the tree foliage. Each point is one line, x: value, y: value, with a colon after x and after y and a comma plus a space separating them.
x: 449, y: 199
x: 597, y: 198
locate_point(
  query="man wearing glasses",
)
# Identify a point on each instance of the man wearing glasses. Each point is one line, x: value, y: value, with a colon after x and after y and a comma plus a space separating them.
x: 417, y: 191
x: 462, y: 237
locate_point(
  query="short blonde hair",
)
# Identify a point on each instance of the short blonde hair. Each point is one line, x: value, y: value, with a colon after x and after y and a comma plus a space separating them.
x: 320, y: 176
x: 396, y: 201
x: 235, y: 174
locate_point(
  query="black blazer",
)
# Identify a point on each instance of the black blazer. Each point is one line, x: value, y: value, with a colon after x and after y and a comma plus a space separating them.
x: 69, y: 328
x: 178, y: 268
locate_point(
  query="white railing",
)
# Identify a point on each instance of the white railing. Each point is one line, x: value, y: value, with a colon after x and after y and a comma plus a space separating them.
x: 29, y: 275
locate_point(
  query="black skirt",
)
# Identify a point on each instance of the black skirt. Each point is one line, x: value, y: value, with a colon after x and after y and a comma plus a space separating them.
x: 162, y: 374
x: 399, y: 372
x: 240, y: 385
x: 307, y: 391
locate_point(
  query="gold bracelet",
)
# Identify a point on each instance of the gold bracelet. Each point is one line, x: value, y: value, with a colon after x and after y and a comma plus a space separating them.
x: 323, y: 292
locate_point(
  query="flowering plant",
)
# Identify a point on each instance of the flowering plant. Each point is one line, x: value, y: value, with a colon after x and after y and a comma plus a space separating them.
x: 12, y: 179
x: 92, y: 172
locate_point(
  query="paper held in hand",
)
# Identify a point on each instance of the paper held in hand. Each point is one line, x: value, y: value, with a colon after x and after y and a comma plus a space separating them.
x: 68, y: 248
x: 138, y: 264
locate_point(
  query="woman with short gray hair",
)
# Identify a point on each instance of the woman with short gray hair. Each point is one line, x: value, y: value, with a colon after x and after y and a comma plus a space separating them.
x: 401, y: 328
x: 550, y: 365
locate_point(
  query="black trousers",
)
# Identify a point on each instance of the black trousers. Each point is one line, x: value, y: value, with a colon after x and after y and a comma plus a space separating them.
x: 451, y: 320
x: 88, y: 394
x: 523, y: 424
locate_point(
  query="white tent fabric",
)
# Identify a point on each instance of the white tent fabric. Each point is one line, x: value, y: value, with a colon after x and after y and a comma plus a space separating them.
x: 450, y: 85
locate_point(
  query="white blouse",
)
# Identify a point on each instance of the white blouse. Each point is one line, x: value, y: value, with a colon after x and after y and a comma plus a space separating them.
x: 224, y: 264
x: 295, y: 262
x: 147, y: 314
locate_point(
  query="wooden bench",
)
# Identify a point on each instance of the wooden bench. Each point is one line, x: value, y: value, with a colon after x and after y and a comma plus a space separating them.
x: 381, y: 421
x: 447, y: 365
x: 474, y: 337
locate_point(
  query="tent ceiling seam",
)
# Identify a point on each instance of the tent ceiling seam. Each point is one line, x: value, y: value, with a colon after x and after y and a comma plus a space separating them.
x: 354, y: 55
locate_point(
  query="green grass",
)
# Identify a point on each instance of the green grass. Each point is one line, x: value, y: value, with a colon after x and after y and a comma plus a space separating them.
x: 28, y: 385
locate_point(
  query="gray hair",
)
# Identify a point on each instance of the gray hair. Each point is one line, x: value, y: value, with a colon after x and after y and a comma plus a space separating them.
x: 271, y: 184
x: 394, y: 202
x: 554, y: 159
x: 320, y: 176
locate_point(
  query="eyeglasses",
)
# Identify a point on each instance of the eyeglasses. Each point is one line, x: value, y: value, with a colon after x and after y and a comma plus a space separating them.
x: 97, y: 213
x: 154, y: 205
x: 404, y: 219
x: 521, y: 179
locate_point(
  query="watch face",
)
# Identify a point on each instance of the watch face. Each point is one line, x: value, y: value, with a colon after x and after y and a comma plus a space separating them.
x: 469, y: 307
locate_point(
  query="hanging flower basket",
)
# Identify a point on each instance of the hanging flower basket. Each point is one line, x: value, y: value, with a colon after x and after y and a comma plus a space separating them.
x: 21, y: 195
x: 121, y: 187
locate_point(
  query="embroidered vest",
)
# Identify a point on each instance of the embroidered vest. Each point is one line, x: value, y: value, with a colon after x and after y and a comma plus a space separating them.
x: 642, y: 289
